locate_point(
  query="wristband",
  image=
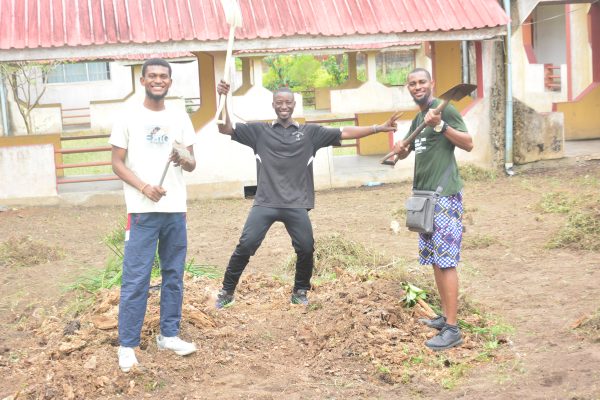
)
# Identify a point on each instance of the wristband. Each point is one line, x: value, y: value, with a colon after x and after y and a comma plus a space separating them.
x: 374, y: 128
x: 144, y: 187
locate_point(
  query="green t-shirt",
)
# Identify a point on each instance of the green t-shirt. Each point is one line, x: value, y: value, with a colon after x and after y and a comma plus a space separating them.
x: 434, y: 152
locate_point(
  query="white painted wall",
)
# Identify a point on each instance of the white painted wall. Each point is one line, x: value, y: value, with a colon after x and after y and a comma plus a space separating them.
x: 528, y: 79
x: 581, y: 50
x: 549, y: 41
x: 27, y: 171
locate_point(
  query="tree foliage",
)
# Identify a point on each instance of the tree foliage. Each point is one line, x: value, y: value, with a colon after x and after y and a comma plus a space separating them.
x: 27, y: 83
x: 302, y: 72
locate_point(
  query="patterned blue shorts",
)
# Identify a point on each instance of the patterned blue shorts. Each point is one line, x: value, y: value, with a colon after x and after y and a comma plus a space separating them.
x: 442, y: 247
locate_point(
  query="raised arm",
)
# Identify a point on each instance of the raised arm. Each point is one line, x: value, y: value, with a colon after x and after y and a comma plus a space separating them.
x: 226, y: 128
x: 356, y: 132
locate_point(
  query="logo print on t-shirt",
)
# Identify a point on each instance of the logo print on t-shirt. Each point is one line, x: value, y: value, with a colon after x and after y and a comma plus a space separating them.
x: 420, y: 145
x: 157, y: 135
x: 299, y: 135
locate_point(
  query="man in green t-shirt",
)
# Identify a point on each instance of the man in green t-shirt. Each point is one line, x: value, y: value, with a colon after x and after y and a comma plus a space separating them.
x: 434, y: 154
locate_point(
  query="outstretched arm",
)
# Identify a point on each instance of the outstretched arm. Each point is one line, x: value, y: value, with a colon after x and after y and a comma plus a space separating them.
x: 226, y: 128
x: 356, y: 132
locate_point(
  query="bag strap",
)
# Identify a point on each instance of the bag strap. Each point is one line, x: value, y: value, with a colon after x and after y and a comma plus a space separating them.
x: 444, y: 179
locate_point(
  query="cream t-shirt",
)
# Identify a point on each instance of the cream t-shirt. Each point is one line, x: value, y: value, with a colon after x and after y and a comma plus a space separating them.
x: 148, y: 137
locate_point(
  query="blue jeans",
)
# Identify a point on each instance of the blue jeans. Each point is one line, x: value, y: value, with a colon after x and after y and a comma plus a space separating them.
x: 146, y: 231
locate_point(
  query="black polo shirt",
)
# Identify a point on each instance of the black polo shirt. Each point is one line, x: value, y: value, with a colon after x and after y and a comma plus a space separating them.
x: 284, y: 160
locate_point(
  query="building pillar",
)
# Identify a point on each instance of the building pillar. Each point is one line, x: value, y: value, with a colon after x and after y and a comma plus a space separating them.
x: 371, y: 66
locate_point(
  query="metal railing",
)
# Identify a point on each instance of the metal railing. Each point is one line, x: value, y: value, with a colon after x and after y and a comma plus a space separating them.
x: 81, y: 150
x: 330, y: 121
x: 75, y: 117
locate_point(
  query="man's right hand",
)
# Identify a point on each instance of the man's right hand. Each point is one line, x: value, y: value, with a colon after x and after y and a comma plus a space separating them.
x: 401, y: 148
x: 154, y: 193
x: 223, y: 88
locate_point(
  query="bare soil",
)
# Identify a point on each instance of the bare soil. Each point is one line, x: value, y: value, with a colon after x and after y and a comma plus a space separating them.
x: 356, y: 341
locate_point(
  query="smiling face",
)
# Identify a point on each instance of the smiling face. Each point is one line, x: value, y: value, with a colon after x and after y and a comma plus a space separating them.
x: 420, y: 87
x: 283, y: 104
x: 156, y: 81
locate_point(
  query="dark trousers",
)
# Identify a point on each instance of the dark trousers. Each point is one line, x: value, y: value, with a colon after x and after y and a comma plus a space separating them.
x: 259, y: 221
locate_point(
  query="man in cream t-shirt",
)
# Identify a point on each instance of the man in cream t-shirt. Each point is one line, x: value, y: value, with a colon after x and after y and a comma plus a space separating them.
x: 142, y: 142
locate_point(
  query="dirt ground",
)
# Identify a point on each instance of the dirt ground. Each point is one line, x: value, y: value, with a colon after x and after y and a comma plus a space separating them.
x: 357, y: 341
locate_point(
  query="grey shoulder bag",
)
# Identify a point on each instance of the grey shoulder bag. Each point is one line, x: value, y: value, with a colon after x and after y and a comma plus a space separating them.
x: 420, y: 207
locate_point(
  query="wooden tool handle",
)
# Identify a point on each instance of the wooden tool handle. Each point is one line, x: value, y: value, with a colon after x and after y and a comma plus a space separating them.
x: 438, y: 110
x: 221, y: 117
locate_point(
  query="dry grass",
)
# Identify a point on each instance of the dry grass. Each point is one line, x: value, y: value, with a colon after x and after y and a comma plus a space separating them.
x: 582, y: 230
x: 24, y: 251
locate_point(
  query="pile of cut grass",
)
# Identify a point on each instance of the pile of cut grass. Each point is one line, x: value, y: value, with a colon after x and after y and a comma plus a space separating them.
x: 582, y: 229
x: 25, y: 252
x: 334, y: 252
x: 473, y: 173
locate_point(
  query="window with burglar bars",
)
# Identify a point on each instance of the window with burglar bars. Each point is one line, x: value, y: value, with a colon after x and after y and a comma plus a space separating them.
x: 80, y: 72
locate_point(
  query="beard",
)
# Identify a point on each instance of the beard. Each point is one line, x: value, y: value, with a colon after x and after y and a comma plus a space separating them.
x: 156, y: 97
x: 422, y: 101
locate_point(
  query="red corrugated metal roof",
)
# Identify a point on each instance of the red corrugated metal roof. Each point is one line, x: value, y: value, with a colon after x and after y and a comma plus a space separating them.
x: 32, y: 24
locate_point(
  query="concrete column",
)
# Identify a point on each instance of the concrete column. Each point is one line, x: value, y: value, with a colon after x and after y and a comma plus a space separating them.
x: 352, y: 73
x: 372, y: 66
x: 257, y: 71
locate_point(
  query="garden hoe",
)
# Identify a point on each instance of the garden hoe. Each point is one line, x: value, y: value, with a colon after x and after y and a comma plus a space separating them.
x: 183, y: 153
x: 233, y: 16
x: 454, y: 94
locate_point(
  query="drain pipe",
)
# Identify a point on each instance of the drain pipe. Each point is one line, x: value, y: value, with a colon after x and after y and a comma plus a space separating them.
x: 465, y: 61
x: 4, y: 108
x: 508, y: 129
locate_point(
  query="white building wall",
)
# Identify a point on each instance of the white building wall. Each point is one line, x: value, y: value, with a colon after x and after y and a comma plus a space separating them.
x: 581, y: 50
x: 27, y: 171
x: 528, y: 79
x: 549, y: 34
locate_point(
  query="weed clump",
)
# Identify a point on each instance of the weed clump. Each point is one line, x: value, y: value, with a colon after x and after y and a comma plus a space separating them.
x: 334, y: 252
x: 111, y: 275
x: 556, y: 203
x: 582, y: 230
x: 477, y: 241
x: 473, y: 173
x: 25, y: 252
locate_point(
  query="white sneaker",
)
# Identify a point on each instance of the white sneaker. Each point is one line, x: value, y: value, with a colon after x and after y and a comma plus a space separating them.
x: 174, y: 343
x: 127, y: 358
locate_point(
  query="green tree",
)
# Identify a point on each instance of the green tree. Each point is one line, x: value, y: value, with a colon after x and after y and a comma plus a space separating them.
x: 337, y: 68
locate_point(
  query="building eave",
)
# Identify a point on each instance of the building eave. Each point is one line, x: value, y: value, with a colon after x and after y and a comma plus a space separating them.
x: 297, y: 41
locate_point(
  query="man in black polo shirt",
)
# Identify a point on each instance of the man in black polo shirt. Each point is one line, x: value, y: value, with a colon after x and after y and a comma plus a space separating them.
x: 284, y: 152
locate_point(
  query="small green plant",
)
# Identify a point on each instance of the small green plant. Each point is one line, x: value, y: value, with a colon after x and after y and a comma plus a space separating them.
x: 412, y: 294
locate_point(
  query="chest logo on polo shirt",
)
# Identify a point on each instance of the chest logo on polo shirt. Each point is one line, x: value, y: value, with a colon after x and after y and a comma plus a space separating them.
x: 156, y: 134
x: 299, y: 135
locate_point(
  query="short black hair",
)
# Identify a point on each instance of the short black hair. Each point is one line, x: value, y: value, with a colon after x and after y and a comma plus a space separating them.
x: 414, y: 71
x: 155, y: 61
x: 282, y: 89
